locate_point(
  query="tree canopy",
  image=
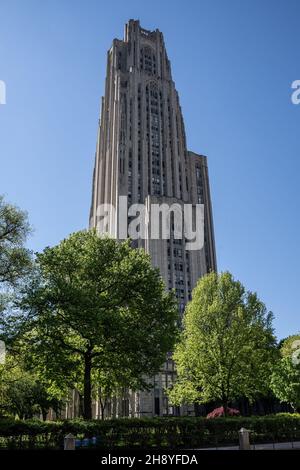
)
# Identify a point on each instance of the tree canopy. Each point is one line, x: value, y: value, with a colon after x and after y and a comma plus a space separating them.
x: 15, y: 259
x: 95, y: 304
x: 22, y: 393
x: 227, y: 345
x: 285, y: 379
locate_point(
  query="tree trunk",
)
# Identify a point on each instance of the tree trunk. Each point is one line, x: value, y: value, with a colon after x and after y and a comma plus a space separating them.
x: 44, y: 414
x: 87, y: 394
x: 81, y: 413
x: 225, y: 406
x: 198, y: 410
x: 102, y: 405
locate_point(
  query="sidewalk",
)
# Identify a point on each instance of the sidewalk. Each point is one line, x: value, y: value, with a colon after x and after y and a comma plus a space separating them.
x: 275, y: 446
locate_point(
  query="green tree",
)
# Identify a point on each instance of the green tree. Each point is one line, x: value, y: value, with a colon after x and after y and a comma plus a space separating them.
x: 22, y: 393
x: 290, y: 347
x: 107, y: 384
x: 15, y: 259
x: 96, y: 305
x: 285, y: 379
x: 227, y: 344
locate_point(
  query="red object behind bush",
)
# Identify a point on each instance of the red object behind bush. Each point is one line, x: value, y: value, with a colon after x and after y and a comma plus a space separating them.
x: 218, y: 412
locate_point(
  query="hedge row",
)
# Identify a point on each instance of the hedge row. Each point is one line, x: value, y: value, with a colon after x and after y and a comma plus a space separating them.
x: 157, y: 432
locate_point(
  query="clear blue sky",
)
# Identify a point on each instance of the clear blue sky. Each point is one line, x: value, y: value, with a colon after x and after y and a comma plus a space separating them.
x: 233, y: 64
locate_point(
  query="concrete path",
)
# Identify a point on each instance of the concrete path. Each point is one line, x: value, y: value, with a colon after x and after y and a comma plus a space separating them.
x: 276, y: 446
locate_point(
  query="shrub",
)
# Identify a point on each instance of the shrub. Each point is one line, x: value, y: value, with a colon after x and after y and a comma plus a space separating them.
x: 218, y: 412
x: 174, y: 432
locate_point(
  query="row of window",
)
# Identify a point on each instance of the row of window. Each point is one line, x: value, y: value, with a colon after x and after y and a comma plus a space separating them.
x: 154, y: 140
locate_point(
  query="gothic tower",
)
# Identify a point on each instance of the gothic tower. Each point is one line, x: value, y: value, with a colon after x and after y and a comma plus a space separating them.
x: 141, y: 153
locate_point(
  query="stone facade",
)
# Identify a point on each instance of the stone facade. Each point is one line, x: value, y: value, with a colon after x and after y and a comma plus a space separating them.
x: 141, y: 153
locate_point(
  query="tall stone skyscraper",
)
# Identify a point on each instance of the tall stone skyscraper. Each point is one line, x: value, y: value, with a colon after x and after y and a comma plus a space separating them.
x: 141, y: 153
